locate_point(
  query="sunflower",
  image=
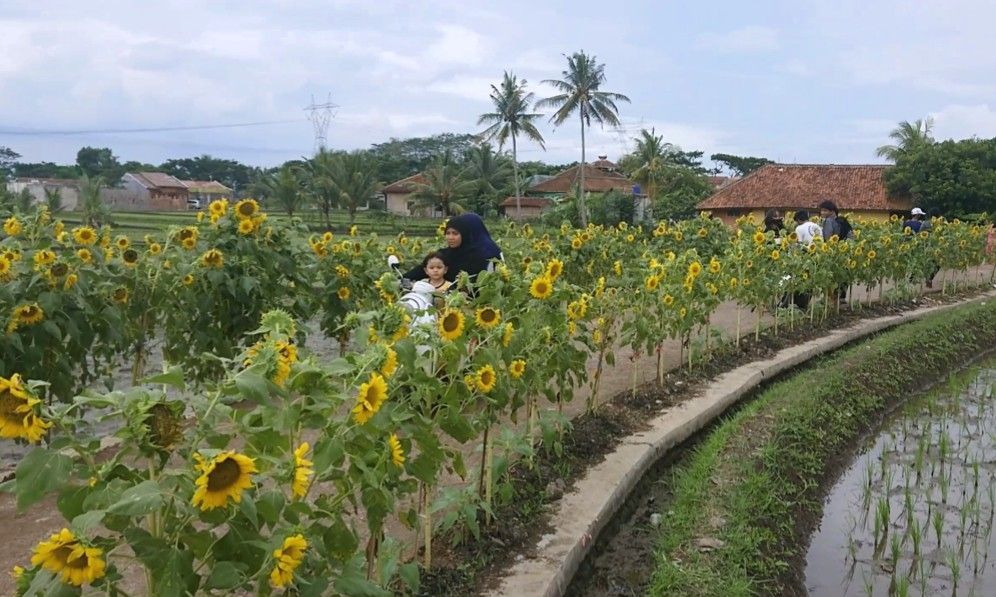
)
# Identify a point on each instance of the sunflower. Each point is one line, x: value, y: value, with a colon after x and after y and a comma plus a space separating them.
x: 218, y: 207
x: 225, y: 476
x: 390, y: 364
x: 5, y: 267
x: 668, y: 300
x: 733, y: 282
x: 213, y: 258
x: 84, y: 235
x: 714, y: 266
x: 775, y: 255
x: 506, y: 335
x: 397, y: 452
x: 576, y: 243
x: 871, y: 254
x: 120, y: 295
x: 703, y: 233
x: 188, y: 243
x: 694, y: 269
x: 487, y: 317
x: 517, y: 367
x: 29, y: 314
x: 485, y: 379
x: 287, y: 559
x: 617, y: 268
x: 76, y: 563
x: 302, y: 471
x: 286, y: 356
x: 369, y: 399
x: 451, y: 324
x: 758, y: 237
x: 122, y: 242
x: 343, y: 293
x: 554, y: 269
x: 246, y: 227
x: 353, y: 230
x: 18, y: 419
x: 43, y: 258
x: 327, y: 237
x: 341, y: 272
x: 651, y: 282
x: 129, y: 257
x: 188, y: 280
x: 541, y: 287
x: 246, y: 209
x: 155, y: 248
x: 12, y: 226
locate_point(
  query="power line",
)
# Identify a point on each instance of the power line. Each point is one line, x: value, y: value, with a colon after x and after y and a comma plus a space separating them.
x: 161, y: 129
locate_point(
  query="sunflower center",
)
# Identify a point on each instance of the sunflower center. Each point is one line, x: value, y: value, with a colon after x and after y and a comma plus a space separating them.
x: 487, y: 378
x: 450, y: 322
x: 9, y: 404
x: 487, y: 316
x: 224, y: 475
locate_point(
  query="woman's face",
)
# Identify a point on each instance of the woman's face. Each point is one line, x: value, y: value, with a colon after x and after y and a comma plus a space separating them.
x: 453, y: 238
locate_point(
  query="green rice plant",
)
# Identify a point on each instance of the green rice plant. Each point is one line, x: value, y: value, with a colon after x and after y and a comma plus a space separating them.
x: 938, y: 526
x: 945, y: 483
x: 916, y: 538
x: 955, y: 565
x: 895, y: 548
x: 902, y: 587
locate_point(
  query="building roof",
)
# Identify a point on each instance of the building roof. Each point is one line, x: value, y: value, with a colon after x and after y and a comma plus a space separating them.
x: 66, y: 182
x: 595, y: 181
x: 719, y: 182
x: 406, y: 185
x: 157, y: 180
x: 851, y: 187
x: 603, y: 163
x: 206, y: 186
x: 527, y: 202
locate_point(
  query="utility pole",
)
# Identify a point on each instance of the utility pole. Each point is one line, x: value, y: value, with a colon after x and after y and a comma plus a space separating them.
x: 320, y: 116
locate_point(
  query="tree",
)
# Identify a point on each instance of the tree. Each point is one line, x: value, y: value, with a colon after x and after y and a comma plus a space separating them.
x: 7, y: 159
x: 45, y: 170
x: 580, y: 91
x: 491, y: 174
x: 95, y: 213
x: 400, y: 158
x: 682, y: 189
x: 740, y: 165
x: 283, y: 187
x: 511, y: 117
x: 955, y: 177
x: 230, y: 173
x: 908, y: 136
x: 354, y: 175
x: 99, y: 162
x: 446, y: 186
x: 53, y: 199
x: 647, y: 163
x: 320, y: 183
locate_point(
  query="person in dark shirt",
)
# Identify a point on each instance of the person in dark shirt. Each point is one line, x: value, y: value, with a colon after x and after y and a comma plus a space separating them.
x: 469, y: 248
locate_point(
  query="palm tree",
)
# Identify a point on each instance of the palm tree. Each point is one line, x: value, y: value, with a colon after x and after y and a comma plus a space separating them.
x: 284, y: 188
x: 319, y: 181
x: 908, y: 136
x: 355, y: 177
x: 490, y: 173
x: 580, y: 91
x: 445, y: 188
x: 649, y: 161
x: 53, y: 199
x: 511, y: 117
x: 95, y: 213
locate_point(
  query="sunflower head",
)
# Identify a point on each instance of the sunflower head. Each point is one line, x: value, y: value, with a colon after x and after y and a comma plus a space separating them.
x: 485, y: 379
x: 19, y: 418
x: 390, y: 363
x: 12, y: 226
x: 370, y: 398
x: 122, y: 243
x: 554, y: 268
x: 212, y: 258
x: 506, y: 335
x: 694, y: 268
x: 222, y: 478
x: 517, y: 367
x: 84, y: 235
x: 451, y: 323
x: 188, y: 280
x: 29, y: 314
x: 246, y: 227
x: 287, y: 559
x: 120, y: 295
x: 541, y: 287
x: 75, y: 562
x: 246, y: 209
x: 343, y: 293
x: 487, y: 317
x: 303, y: 471
x: 155, y: 248
x: 218, y: 207
x: 397, y: 451
x: 129, y: 257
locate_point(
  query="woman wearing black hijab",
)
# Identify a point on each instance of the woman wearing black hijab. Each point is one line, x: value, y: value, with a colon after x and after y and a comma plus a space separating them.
x: 469, y: 248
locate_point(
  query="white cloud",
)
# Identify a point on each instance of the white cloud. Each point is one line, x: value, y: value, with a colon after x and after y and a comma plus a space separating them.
x: 751, y: 38
x: 958, y: 121
x: 457, y: 45
x: 795, y: 66
x: 467, y: 87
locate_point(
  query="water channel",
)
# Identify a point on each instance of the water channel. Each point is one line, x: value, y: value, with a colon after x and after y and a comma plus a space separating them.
x: 913, y: 514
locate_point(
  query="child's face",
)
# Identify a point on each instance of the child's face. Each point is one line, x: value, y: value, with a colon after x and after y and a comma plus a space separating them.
x: 435, y: 269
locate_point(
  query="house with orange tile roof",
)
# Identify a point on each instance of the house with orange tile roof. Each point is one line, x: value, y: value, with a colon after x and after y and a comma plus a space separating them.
x: 856, y: 189
x: 398, y: 195
x: 156, y: 191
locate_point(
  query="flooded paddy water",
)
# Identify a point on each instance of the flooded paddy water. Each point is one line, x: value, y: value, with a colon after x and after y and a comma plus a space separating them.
x: 914, y: 513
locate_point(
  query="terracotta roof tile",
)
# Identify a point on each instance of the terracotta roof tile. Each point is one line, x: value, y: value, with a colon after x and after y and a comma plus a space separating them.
x: 790, y: 186
x: 206, y: 186
x: 527, y: 202
x: 158, y: 180
x: 595, y: 181
x: 406, y: 185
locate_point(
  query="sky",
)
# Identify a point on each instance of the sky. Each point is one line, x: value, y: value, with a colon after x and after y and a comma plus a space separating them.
x: 796, y: 82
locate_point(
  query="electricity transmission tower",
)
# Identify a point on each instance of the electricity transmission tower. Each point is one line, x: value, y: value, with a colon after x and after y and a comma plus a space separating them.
x: 320, y: 116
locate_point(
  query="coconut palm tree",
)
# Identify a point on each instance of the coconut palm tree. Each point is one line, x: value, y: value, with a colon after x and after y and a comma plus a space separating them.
x: 908, y: 136
x: 53, y: 199
x: 490, y: 173
x: 647, y: 164
x: 580, y: 91
x: 354, y: 174
x: 95, y: 212
x: 446, y: 186
x: 511, y: 117
x: 319, y: 181
x: 283, y: 187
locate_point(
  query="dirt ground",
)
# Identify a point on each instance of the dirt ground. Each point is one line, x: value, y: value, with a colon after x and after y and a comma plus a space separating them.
x: 22, y: 531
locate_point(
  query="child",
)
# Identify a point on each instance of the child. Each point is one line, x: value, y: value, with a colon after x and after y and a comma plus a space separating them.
x: 435, y: 269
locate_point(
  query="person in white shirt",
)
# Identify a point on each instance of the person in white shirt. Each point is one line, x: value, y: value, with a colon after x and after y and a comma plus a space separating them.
x: 806, y: 230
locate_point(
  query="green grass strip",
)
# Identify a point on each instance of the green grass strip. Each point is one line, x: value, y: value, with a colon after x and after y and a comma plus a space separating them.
x: 732, y: 527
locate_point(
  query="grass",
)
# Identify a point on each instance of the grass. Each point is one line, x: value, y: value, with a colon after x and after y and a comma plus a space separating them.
x: 756, y: 480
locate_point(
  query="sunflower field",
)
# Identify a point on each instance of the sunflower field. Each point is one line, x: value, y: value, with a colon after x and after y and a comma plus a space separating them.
x: 245, y: 462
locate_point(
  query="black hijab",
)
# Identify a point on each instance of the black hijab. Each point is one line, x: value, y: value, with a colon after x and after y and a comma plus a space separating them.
x: 475, y: 252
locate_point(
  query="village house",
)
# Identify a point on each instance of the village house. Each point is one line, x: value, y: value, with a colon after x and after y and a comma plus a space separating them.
x: 524, y: 208
x: 856, y: 189
x: 206, y: 191
x: 67, y: 188
x: 152, y: 191
x: 398, y: 195
x: 601, y: 176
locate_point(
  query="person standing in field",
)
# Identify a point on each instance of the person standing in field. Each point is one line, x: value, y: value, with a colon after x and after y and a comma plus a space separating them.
x: 805, y: 230
x: 834, y: 225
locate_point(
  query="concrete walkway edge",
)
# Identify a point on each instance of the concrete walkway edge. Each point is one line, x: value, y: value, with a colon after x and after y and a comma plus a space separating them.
x: 583, y: 513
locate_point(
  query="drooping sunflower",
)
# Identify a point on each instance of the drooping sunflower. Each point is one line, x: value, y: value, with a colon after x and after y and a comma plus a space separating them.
x: 122, y: 243
x: 369, y: 399
x: 517, y: 367
x: 188, y: 280
x: 775, y: 255
x: 225, y: 476
x: 343, y: 293
x: 287, y: 559
x: 390, y: 363
x: 397, y: 451
x: 246, y: 227
x: 120, y: 295
x: 76, y: 563
x: 506, y: 335
x: 18, y: 417
x: 733, y: 282
x: 694, y: 268
x: 485, y: 379
x: 714, y: 265
x: 12, y: 226
x: 218, y: 207
x: 5, y: 267
x: 541, y: 287
x: 129, y: 257
x: 29, y: 314
x: 451, y: 324
x: 651, y: 283
x: 554, y: 268
x: 341, y: 272
x: 189, y: 243
x: 43, y: 258
x: 487, y: 317
x: 84, y: 235
x: 213, y: 258
x: 302, y: 471
x: 246, y: 209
